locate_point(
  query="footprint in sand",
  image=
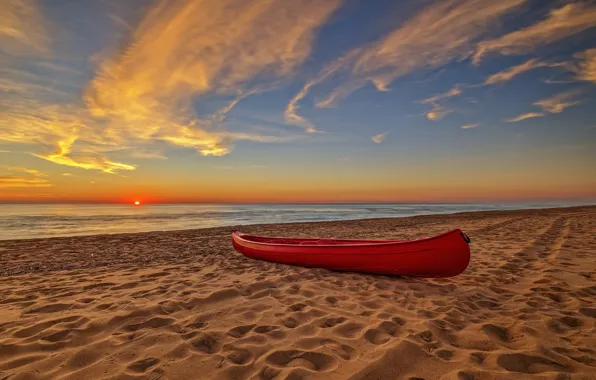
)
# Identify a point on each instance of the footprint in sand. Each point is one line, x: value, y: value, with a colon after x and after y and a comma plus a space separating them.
x: 143, y: 364
x: 207, y: 343
x: 332, y: 322
x: 265, y: 329
x: 152, y: 323
x: 240, y: 331
x: 297, y: 307
x: 524, y: 363
x: 240, y: 356
x: 349, y: 329
x: 310, y: 360
x: 381, y: 334
x: 58, y: 336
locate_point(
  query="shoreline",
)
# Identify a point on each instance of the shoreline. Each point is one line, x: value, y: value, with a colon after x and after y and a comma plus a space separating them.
x: 240, y: 226
x: 180, y: 304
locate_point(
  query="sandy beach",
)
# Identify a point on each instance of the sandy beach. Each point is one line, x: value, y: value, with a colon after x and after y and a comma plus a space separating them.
x: 185, y: 305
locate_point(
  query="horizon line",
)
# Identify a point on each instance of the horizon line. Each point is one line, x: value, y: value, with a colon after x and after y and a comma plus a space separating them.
x: 524, y: 201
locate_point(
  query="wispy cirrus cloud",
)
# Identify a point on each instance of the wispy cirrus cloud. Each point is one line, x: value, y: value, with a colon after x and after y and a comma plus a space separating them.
x: 32, y: 178
x: 554, y: 104
x: 180, y: 52
x: 560, y: 23
x: 23, y: 28
x: 13, y: 181
x: 291, y: 113
x: 33, y: 172
x: 586, y: 66
x: 470, y: 126
x: 440, y: 33
x: 186, y: 49
x: 438, y: 110
x: 513, y: 71
x: 559, y: 102
x: 379, y: 138
x: 525, y: 116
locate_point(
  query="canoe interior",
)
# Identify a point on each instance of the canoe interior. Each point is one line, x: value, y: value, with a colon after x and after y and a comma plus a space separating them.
x: 314, y: 242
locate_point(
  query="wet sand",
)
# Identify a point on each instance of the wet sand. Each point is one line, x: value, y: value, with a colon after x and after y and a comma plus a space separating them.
x: 185, y: 305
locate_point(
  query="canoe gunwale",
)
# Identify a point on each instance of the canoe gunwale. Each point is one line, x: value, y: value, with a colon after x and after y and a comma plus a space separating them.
x: 240, y: 238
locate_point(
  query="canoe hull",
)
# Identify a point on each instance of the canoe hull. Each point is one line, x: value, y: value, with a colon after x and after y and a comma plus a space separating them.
x: 443, y: 255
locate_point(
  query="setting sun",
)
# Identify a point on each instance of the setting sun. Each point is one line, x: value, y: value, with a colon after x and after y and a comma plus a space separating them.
x: 137, y: 203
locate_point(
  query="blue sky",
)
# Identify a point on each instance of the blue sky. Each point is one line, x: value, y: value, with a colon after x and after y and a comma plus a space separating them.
x: 264, y: 100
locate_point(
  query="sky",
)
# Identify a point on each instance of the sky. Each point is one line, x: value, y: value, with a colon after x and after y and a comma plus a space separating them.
x: 297, y: 101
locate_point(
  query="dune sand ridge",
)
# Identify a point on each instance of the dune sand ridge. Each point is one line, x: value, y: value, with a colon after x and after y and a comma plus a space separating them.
x: 185, y: 305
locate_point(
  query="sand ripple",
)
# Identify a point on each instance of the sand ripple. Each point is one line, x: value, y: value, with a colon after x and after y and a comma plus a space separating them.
x: 182, y: 305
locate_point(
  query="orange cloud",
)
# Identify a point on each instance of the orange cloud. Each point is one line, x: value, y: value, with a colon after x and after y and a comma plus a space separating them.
x: 23, y: 28
x: 36, y: 179
x: 33, y: 172
x: 525, y: 116
x: 561, y: 22
x: 511, y: 72
x: 559, y: 102
x: 291, y: 113
x: 186, y: 49
x: 553, y: 104
x: 470, y: 126
x: 181, y: 51
x: 379, y: 138
x: 440, y: 33
x: 10, y: 182
x: 439, y: 111
x: 586, y: 68
x: 61, y: 156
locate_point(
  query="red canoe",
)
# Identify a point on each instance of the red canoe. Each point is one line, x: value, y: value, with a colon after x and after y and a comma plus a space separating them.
x: 444, y: 255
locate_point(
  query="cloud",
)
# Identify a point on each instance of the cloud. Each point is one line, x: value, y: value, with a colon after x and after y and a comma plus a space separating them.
x: 181, y: 52
x: 438, y: 34
x: 469, y: 126
x: 511, y: 72
x: 559, y: 102
x: 61, y: 156
x: 67, y: 174
x: 379, y: 138
x: 560, y: 23
x: 439, y: 111
x: 11, y: 181
x: 454, y: 91
x: 23, y: 28
x: 186, y: 49
x: 586, y: 67
x: 33, y: 172
x: 35, y: 179
x: 553, y: 104
x: 148, y: 155
x: 291, y: 113
x: 525, y: 116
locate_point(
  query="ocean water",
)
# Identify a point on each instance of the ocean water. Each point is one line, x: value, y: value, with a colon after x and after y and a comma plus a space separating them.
x: 50, y: 220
